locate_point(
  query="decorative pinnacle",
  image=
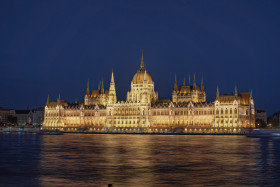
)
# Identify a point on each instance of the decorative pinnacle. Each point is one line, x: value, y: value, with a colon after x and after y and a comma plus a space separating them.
x: 48, y: 100
x: 194, y: 82
x: 112, y: 77
x: 218, y: 93
x: 142, y: 61
x: 88, y: 87
x: 175, y: 84
x: 202, y: 86
x: 102, y: 86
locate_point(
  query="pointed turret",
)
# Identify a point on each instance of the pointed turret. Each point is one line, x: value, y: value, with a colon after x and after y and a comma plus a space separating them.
x: 58, y: 100
x: 112, y: 90
x: 189, y: 80
x: 142, y: 66
x: 48, y: 100
x: 251, y: 94
x: 88, y: 88
x: 175, y: 84
x: 202, y: 86
x: 112, y: 77
x: 184, y: 83
x: 194, y: 82
x: 99, y: 86
x: 218, y: 94
x: 145, y: 77
x: 235, y: 91
x: 102, y: 87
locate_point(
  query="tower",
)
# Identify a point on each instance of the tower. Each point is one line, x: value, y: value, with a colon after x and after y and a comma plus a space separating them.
x: 174, y: 94
x: 87, y: 96
x: 112, y: 91
x: 142, y: 84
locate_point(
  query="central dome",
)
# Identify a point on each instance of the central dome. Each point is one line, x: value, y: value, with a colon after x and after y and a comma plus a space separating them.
x: 141, y: 73
x: 139, y: 77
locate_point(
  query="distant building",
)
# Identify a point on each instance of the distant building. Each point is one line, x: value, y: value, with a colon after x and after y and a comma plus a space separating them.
x: 144, y: 112
x: 275, y: 118
x: 261, y: 115
x: 38, y: 116
x: 5, y: 113
x: 24, y: 117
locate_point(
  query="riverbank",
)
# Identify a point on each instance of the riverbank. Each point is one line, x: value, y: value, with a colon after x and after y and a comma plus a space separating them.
x: 36, y: 130
x: 19, y: 129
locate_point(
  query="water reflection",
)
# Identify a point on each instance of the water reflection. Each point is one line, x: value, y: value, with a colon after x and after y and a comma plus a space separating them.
x: 141, y: 160
x: 151, y: 160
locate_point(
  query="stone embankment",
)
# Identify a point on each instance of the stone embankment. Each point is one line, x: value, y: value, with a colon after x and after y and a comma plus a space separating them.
x: 19, y: 129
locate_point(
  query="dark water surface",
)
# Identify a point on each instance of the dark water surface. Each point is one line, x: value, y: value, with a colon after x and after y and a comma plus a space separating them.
x: 138, y: 160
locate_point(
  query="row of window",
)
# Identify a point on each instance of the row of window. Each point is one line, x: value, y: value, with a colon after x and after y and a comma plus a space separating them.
x: 226, y: 111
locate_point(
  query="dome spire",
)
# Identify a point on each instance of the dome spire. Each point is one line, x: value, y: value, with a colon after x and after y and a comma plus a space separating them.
x: 142, y: 61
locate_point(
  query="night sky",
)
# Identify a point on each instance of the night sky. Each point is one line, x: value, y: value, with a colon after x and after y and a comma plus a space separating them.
x: 54, y: 47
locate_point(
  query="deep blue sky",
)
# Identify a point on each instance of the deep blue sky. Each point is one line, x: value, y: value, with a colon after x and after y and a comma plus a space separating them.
x: 52, y: 47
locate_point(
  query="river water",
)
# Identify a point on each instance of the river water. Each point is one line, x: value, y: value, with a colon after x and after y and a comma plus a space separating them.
x: 138, y: 160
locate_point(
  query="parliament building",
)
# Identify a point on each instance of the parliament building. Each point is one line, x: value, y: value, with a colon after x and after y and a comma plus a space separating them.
x: 143, y: 112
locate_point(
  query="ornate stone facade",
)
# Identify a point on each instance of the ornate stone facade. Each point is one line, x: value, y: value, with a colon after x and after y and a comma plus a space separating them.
x: 143, y: 112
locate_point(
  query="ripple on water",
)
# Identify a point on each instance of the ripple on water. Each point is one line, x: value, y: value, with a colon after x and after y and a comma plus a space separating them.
x: 138, y: 160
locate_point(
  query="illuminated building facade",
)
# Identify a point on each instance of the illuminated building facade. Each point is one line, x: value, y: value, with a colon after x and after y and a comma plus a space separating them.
x: 143, y: 112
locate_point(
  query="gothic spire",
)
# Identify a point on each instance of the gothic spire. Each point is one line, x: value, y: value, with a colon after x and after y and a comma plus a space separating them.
x: 189, y: 80
x: 194, y: 82
x: 235, y: 91
x: 102, y: 87
x: 202, y: 86
x: 218, y: 93
x: 145, y: 76
x: 48, y: 100
x: 112, y: 77
x: 251, y: 94
x: 184, y: 83
x: 142, y: 61
x: 88, y: 87
x: 175, y: 84
x: 59, y: 101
